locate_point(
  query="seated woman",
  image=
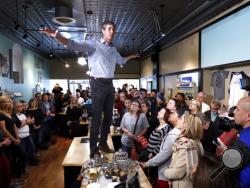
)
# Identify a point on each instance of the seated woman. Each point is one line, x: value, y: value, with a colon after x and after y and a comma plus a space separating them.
x: 186, y: 151
x: 5, y: 170
x: 133, y: 124
x: 73, y: 115
x: 163, y: 158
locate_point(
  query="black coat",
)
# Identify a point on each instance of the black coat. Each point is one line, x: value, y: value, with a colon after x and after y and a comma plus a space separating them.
x: 215, y: 129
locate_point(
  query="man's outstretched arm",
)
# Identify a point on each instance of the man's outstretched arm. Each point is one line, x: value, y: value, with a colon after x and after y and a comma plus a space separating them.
x: 54, y: 34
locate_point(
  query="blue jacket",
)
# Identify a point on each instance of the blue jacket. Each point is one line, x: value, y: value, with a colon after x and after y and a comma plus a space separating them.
x: 244, y: 177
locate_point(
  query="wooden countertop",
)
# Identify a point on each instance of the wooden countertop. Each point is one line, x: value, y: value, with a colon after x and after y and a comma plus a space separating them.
x: 77, y: 153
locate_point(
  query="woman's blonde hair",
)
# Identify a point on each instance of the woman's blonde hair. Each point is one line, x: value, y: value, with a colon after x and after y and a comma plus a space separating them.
x: 71, y: 101
x: 3, y: 99
x: 193, y: 128
x: 198, y: 105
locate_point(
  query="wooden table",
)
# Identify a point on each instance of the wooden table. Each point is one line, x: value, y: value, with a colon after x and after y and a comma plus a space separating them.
x: 78, y: 153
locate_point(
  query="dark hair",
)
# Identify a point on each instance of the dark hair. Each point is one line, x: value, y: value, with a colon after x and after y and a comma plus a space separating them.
x: 37, y: 94
x: 105, y: 23
x: 180, y: 112
x: 203, y: 117
x: 166, y: 115
x: 231, y: 111
x: 139, y: 105
x: 177, y: 103
x: 31, y: 101
x: 154, y: 90
x: 22, y: 101
x: 45, y: 94
x: 207, y: 164
x: 181, y: 94
x: 143, y: 90
x: 147, y: 103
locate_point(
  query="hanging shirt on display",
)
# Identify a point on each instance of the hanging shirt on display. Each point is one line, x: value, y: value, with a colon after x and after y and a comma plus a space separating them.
x: 235, y: 93
x: 218, y: 83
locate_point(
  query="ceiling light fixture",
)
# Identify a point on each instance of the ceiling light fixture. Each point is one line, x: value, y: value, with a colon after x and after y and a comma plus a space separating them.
x: 66, y: 64
x: 63, y: 15
x: 82, y: 61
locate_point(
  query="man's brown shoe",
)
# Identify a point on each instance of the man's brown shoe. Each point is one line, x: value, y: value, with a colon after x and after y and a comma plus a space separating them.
x: 105, y: 148
x: 96, y: 153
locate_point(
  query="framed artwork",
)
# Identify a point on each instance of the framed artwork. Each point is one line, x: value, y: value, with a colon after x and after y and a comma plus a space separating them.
x: 4, y: 66
x: 11, y: 63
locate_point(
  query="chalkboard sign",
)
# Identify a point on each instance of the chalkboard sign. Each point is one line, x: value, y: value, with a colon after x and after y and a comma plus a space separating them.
x: 121, y: 185
x: 134, y: 182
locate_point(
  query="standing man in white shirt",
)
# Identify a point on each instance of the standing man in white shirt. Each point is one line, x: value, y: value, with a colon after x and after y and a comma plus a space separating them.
x: 80, y: 100
x: 201, y: 98
x: 102, y: 59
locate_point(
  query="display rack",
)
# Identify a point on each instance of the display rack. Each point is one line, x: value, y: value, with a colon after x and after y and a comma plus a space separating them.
x: 188, y: 88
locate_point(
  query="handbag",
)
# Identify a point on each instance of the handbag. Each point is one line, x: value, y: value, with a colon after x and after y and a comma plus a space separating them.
x: 139, y: 148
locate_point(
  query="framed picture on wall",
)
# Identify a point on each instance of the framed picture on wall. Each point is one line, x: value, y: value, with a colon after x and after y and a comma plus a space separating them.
x: 11, y: 63
x: 4, y: 66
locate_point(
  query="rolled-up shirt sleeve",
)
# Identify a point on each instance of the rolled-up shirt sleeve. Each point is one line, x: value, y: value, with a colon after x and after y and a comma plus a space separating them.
x: 119, y: 59
x: 84, y: 45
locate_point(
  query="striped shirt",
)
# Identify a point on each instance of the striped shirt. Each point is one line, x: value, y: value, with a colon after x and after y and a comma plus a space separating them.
x: 156, y: 138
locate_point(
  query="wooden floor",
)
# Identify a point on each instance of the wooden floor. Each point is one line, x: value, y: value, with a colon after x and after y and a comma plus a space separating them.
x: 49, y: 173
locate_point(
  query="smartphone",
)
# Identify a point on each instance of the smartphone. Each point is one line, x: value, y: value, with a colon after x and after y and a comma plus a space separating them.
x: 216, y: 143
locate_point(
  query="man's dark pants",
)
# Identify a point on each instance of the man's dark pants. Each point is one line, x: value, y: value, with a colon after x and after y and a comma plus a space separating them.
x: 102, y: 93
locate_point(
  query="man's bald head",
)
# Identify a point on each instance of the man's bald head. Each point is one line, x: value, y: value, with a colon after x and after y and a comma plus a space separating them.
x: 245, y: 102
x: 242, y: 112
